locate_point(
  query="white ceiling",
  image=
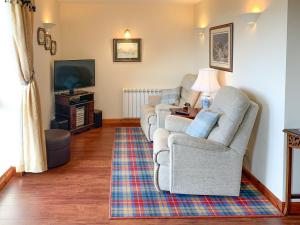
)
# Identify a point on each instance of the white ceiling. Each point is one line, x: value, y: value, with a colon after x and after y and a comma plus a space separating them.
x: 135, y: 1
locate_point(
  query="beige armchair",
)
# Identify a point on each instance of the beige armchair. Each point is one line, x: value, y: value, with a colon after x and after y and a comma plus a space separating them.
x: 212, y: 166
x: 153, y: 114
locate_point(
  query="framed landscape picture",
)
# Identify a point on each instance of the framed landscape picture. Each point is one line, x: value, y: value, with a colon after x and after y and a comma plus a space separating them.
x: 127, y: 50
x: 221, y: 47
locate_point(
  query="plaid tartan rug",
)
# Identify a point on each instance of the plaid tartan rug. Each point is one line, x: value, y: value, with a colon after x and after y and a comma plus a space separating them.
x: 133, y: 194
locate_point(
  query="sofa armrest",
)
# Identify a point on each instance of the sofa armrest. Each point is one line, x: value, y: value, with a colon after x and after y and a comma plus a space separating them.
x: 162, y: 111
x: 177, y: 123
x: 154, y: 100
x: 164, y: 108
x: 199, y: 166
x: 195, y: 143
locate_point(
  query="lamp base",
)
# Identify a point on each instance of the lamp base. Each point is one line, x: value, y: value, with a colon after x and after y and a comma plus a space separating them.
x: 206, y: 101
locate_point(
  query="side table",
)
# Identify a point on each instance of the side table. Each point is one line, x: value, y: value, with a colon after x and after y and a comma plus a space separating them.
x: 192, y: 113
x: 293, y: 142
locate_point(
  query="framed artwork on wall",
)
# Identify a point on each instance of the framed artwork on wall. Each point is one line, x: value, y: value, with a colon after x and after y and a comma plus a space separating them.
x: 221, y: 47
x: 48, y: 41
x: 41, y: 36
x: 127, y: 50
x: 53, y: 48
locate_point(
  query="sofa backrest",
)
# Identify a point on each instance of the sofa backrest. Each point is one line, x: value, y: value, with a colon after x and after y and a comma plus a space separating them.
x: 242, y: 136
x: 187, y: 94
x: 232, y: 104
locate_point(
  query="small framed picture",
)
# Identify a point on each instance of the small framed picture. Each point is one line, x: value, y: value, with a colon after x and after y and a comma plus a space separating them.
x: 53, y: 48
x: 127, y: 50
x: 221, y: 47
x: 48, y: 41
x: 41, y: 36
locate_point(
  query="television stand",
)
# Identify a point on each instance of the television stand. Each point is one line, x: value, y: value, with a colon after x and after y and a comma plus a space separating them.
x: 73, y: 93
x: 78, y: 109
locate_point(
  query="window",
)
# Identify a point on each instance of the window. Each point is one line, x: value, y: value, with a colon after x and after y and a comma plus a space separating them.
x: 10, y: 96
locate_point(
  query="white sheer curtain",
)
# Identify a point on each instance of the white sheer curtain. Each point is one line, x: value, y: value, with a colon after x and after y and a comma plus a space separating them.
x: 10, y: 96
x: 33, y: 156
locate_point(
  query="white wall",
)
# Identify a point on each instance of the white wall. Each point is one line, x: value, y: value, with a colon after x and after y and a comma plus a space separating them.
x: 167, y: 39
x: 259, y: 69
x: 292, y: 91
x: 47, y: 10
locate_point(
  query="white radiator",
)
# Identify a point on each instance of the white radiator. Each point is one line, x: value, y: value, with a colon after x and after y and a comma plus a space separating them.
x: 134, y: 99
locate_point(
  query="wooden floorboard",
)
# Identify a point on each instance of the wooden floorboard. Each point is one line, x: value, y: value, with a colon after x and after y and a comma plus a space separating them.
x: 78, y: 193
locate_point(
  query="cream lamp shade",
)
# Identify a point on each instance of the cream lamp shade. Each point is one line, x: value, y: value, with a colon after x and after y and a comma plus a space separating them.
x: 207, y: 81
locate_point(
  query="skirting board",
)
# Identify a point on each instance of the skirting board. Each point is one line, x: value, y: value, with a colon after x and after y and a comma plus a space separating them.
x: 4, y: 179
x: 121, y: 122
x: 295, y: 206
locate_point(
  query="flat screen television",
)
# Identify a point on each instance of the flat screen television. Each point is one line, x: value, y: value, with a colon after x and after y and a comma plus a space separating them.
x: 73, y: 74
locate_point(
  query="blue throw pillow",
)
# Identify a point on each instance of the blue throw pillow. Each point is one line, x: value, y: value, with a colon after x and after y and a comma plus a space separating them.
x: 203, y: 123
x: 170, y: 96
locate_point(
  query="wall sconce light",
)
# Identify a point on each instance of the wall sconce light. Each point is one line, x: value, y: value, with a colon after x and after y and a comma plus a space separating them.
x: 200, y: 31
x: 251, y: 18
x: 48, y: 26
x: 127, y: 34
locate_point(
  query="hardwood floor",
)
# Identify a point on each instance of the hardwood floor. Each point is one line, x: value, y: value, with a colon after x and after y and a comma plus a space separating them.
x: 78, y: 193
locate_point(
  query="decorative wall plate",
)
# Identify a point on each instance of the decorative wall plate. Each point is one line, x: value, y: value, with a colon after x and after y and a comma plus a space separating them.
x: 41, y: 32
x: 53, y: 48
x: 48, y: 41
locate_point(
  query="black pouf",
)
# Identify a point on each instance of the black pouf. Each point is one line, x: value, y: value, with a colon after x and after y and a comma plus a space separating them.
x: 58, y: 147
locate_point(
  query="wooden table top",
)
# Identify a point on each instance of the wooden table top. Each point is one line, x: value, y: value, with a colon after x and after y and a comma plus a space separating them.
x: 192, y: 113
x: 292, y: 131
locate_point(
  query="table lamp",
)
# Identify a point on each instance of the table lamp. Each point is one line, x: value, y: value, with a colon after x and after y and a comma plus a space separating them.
x: 206, y: 83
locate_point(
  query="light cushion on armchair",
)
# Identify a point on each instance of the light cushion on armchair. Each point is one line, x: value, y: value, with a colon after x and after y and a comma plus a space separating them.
x: 202, y: 124
x: 170, y: 96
